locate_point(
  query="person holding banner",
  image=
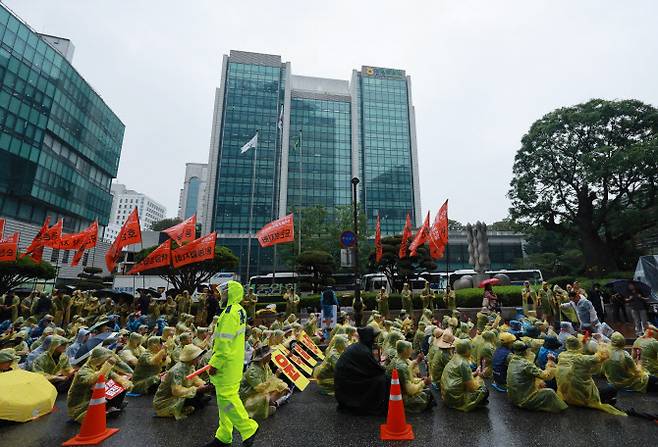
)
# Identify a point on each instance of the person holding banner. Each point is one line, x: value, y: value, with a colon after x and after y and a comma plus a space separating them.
x: 260, y: 389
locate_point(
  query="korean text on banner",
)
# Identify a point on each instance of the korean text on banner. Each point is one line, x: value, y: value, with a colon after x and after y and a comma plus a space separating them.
x: 279, y: 231
x: 289, y: 370
x: 198, y: 250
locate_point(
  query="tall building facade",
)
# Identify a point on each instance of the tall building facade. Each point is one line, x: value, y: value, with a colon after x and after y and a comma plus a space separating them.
x: 124, y: 201
x: 60, y: 143
x: 314, y: 136
x: 193, y: 195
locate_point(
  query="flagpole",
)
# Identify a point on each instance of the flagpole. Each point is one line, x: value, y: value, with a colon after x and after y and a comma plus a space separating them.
x: 251, y: 210
x: 301, y: 189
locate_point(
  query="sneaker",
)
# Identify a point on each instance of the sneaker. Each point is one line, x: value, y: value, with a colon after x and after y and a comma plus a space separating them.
x: 216, y: 443
x: 249, y: 442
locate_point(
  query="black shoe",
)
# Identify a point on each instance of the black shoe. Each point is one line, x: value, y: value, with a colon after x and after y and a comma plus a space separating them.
x: 216, y: 443
x: 250, y: 440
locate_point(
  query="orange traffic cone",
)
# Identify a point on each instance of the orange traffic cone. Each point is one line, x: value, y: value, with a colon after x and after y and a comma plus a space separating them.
x: 94, y: 429
x: 396, y: 427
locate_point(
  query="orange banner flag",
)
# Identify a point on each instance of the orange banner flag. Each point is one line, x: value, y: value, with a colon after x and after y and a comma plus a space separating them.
x: 89, y: 241
x: 35, y: 249
x: 421, y: 236
x: 9, y: 248
x: 129, y: 234
x: 379, y: 250
x: 279, y: 231
x: 438, y: 234
x: 71, y: 241
x: 198, y: 250
x: 160, y: 257
x: 53, y: 235
x: 406, y: 235
x: 184, y: 231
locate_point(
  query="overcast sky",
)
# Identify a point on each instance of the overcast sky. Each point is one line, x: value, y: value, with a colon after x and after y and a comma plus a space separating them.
x: 482, y: 73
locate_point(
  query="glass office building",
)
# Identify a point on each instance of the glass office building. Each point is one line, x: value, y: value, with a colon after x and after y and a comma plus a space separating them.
x: 59, y: 142
x: 315, y: 134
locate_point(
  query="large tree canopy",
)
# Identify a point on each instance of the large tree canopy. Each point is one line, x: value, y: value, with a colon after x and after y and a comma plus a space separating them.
x: 13, y: 274
x: 590, y: 171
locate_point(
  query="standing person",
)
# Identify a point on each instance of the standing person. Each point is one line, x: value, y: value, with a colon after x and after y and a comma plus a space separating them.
x: 407, y: 299
x: 584, y: 310
x: 328, y: 301
x: 426, y: 296
x: 450, y: 298
x: 9, y: 307
x: 637, y: 302
x: 547, y: 304
x: 490, y: 299
x: 382, y: 302
x: 212, y: 306
x: 358, y: 306
x: 619, y: 308
x: 596, y: 298
x: 292, y: 302
x: 226, y: 366
x: 249, y: 302
x: 528, y: 298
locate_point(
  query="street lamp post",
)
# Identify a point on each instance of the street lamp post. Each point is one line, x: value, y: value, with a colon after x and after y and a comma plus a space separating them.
x: 357, y: 284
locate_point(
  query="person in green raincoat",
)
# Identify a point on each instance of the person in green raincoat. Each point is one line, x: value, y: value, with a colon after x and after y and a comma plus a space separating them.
x: 462, y: 389
x: 621, y: 370
x: 133, y: 350
x: 260, y: 388
x: 546, y: 299
x: 561, y: 297
x: 440, y: 359
x: 525, y: 386
x: 149, y: 366
x: 292, y: 302
x: 528, y: 298
x: 419, y: 335
x: 183, y: 340
x: 484, y: 354
x: 54, y: 365
x: 574, y: 377
x: 389, y: 346
x: 407, y: 299
x: 382, y: 302
x: 415, y: 396
x: 249, y: 302
x: 450, y: 299
x: 100, y: 362
x: 178, y: 396
x: 426, y: 316
x: 324, y: 372
x: 426, y: 296
x: 649, y: 351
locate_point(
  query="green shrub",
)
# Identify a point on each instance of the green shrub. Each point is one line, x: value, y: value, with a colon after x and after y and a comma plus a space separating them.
x: 509, y: 296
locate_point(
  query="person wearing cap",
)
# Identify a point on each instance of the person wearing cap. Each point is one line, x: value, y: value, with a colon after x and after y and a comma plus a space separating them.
x: 575, y: 384
x: 149, y: 366
x: 461, y: 388
x: 8, y: 360
x: 249, y: 302
x: 226, y: 365
x: 623, y: 372
x: 445, y: 344
x: 500, y: 361
x: 525, y: 386
x: 101, y: 361
x: 178, y: 396
x: 414, y: 393
x: 54, y: 365
x: 382, y: 302
x: 407, y: 299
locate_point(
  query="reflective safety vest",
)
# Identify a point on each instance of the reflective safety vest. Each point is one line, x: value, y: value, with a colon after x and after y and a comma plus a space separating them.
x: 229, y: 338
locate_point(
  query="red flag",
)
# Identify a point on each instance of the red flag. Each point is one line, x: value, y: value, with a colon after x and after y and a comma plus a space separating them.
x: 379, y: 250
x: 406, y: 235
x: 184, y: 231
x: 71, y: 241
x: 9, y: 248
x: 36, y: 246
x: 421, y: 236
x: 439, y: 233
x: 52, y: 235
x: 129, y: 234
x: 2, y: 227
x: 89, y: 241
x: 160, y: 257
x: 198, y: 250
x: 278, y: 231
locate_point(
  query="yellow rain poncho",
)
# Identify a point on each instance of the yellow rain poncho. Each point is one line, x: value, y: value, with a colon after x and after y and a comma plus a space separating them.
x: 621, y: 370
x: 459, y: 388
x: 324, y: 373
x: 523, y: 383
x: 174, y: 389
x: 149, y: 366
x: 49, y: 366
x: 415, y: 397
x: 133, y: 350
x: 485, y: 352
x: 649, y: 356
x: 258, y: 384
x: 407, y: 299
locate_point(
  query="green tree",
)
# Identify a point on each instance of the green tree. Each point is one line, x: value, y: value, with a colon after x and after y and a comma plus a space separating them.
x: 590, y: 173
x: 318, y: 263
x: 13, y: 274
x: 165, y: 223
x: 191, y: 276
x: 90, y: 279
x: 407, y: 267
x: 454, y: 225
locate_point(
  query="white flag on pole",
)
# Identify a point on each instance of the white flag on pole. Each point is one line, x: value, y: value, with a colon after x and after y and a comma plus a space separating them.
x: 251, y: 143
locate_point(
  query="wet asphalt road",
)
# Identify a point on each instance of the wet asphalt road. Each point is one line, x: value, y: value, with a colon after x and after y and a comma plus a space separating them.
x: 310, y: 419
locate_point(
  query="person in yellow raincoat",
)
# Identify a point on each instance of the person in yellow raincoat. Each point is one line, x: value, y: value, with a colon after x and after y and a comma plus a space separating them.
x: 575, y: 384
x: 177, y: 396
x: 249, y: 303
x: 415, y: 396
x: 407, y: 299
x: 450, y: 299
x: 260, y: 388
x: 649, y: 351
x: 8, y: 360
x: 226, y: 369
x: 528, y: 298
x: 100, y: 362
x: 623, y: 372
x: 382, y: 302
x: 133, y: 350
x: 426, y: 296
x: 389, y: 345
x: 54, y: 363
x: 201, y: 312
x: 324, y: 372
x: 440, y: 359
x: 149, y: 366
x: 484, y: 354
x: 170, y: 309
x: 462, y: 389
x: 561, y: 296
x: 525, y: 386
x: 292, y: 302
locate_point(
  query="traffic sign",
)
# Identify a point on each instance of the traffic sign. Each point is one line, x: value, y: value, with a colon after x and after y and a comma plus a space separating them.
x: 348, y: 239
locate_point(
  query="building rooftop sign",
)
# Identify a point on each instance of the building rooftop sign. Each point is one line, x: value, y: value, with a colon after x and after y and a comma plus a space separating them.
x: 378, y: 72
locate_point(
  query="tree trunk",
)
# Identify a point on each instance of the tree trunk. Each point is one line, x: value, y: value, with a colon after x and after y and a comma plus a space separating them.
x: 599, y: 258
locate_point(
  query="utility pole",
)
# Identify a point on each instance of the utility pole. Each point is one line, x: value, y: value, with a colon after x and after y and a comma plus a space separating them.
x: 357, y: 283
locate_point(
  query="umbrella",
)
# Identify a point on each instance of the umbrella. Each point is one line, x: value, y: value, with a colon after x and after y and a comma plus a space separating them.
x: 105, y: 292
x: 621, y: 287
x: 149, y: 291
x: 25, y: 396
x: 492, y: 281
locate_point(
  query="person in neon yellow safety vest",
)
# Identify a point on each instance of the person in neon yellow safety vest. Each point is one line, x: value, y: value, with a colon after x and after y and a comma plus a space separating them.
x: 226, y: 369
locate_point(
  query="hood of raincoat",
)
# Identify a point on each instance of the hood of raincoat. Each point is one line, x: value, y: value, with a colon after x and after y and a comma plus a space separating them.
x: 235, y: 293
x: 55, y: 342
x: 366, y: 336
x: 98, y: 356
x: 573, y: 343
x: 134, y: 340
x: 618, y: 340
x: 340, y: 342
x: 462, y: 346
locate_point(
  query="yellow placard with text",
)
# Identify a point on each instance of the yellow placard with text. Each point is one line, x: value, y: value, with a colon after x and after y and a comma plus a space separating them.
x: 289, y: 370
x: 300, y: 364
x: 305, y: 355
x: 306, y: 341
